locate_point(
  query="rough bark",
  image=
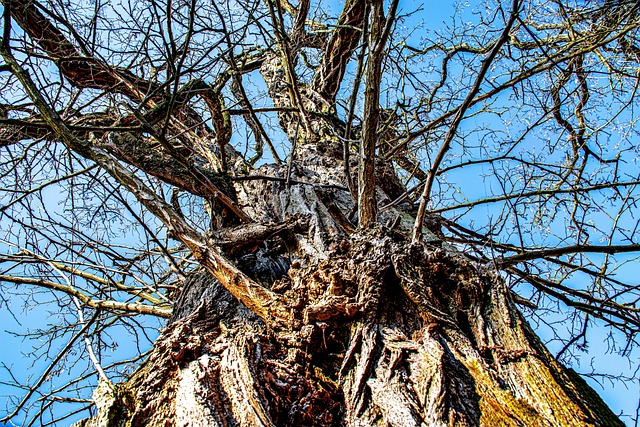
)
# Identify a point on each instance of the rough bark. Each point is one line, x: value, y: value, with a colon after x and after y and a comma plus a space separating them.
x: 386, y: 334
x: 381, y: 332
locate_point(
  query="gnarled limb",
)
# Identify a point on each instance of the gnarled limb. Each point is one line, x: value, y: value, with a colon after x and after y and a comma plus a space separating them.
x: 79, y: 69
x: 341, y: 45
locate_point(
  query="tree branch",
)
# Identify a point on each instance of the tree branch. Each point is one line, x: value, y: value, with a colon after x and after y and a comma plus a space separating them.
x: 340, y: 47
x: 566, y: 250
x: 453, y: 128
x: 378, y: 34
x: 80, y: 70
x: 263, y: 302
x: 109, y: 305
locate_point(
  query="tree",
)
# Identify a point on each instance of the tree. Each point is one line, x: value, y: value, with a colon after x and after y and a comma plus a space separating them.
x: 353, y: 275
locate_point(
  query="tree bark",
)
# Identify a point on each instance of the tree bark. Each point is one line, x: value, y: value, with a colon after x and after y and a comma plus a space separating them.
x: 389, y: 334
x: 380, y: 332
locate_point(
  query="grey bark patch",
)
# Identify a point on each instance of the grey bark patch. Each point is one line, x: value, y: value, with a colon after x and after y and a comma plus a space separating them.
x: 201, y: 291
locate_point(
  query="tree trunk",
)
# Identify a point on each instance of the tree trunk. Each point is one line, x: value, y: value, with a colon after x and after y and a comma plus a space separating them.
x: 390, y: 334
x: 382, y: 332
